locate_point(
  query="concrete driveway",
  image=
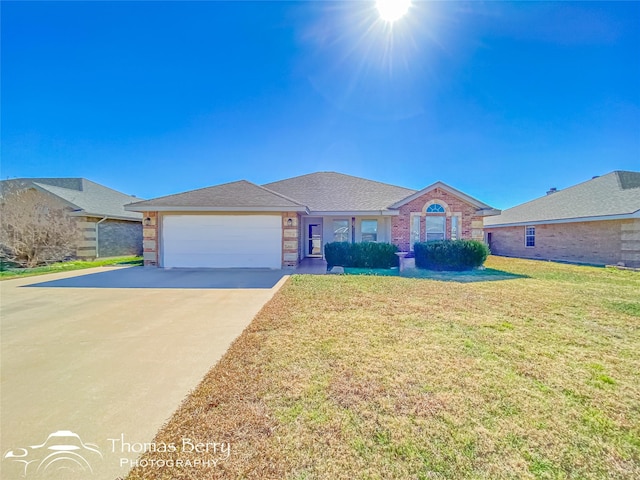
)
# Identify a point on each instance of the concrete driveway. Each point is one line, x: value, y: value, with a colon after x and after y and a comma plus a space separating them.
x: 102, y: 365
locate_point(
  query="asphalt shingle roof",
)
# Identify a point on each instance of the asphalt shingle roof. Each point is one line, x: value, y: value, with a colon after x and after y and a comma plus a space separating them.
x: 241, y: 194
x: 90, y: 198
x: 337, y: 192
x: 616, y: 193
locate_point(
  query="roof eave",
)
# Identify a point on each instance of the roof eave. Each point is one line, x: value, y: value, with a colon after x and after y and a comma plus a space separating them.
x: 488, y: 212
x: 354, y: 213
x: 82, y: 213
x: 599, y: 218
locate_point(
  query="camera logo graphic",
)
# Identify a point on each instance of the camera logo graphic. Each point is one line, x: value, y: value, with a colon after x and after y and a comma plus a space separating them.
x: 63, y: 450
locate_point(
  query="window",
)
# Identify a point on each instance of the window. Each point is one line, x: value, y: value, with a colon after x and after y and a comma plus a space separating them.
x: 341, y: 230
x: 455, y: 228
x: 435, y: 208
x: 530, y: 236
x: 369, y: 230
x: 415, y: 231
x: 435, y: 228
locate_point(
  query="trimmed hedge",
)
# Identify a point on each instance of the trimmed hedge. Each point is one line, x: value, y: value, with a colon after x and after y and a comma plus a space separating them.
x: 454, y: 255
x: 361, y: 255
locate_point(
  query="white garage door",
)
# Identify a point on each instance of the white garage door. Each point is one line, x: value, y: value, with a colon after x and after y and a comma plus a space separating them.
x: 222, y: 241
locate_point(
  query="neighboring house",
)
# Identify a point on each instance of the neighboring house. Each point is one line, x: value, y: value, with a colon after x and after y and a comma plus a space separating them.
x: 107, y: 228
x: 276, y: 225
x: 595, y: 222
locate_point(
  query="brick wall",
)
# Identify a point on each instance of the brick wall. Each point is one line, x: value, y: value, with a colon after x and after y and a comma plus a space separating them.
x: 601, y: 243
x: 470, y: 224
x: 150, y: 239
x: 290, y: 239
x: 119, y: 238
x: 86, y: 249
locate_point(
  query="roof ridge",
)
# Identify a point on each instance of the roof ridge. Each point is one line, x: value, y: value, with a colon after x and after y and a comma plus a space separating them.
x: 344, y: 175
x: 279, y: 195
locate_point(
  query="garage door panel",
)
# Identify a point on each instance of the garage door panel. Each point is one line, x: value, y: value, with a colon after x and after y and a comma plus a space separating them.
x: 222, y: 241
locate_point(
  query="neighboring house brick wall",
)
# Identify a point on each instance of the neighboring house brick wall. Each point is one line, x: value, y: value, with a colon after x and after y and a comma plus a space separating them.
x: 115, y: 238
x: 86, y: 249
x: 601, y: 242
x: 471, y: 225
x: 119, y: 238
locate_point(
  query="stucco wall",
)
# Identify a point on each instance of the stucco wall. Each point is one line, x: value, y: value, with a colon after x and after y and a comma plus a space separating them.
x: 600, y: 243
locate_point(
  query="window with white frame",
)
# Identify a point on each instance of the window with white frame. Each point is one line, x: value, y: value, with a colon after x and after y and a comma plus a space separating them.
x: 435, y: 222
x: 435, y: 228
x: 341, y: 230
x: 415, y: 231
x: 455, y: 228
x: 369, y: 230
x: 530, y: 236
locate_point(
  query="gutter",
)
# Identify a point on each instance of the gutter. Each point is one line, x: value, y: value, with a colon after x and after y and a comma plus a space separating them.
x: 97, y: 243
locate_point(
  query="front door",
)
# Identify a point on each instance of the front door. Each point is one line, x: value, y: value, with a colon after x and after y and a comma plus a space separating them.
x: 315, y: 240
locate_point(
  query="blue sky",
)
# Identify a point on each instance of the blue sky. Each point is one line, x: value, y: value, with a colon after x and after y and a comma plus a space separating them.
x: 500, y: 100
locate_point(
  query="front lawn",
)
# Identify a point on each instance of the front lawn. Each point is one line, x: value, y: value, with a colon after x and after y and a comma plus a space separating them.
x: 8, y: 273
x: 367, y: 377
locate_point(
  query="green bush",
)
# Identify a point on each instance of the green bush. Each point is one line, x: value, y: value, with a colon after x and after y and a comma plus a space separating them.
x: 450, y: 254
x: 337, y: 253
x: 361, y: 255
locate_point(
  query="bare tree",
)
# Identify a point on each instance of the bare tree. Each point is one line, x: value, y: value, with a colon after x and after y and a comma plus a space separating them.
x: 35, y: 229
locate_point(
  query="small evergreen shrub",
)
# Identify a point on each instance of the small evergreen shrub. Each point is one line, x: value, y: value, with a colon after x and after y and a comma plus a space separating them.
x: 454, y: 255
x: 337, y: 254
x: 361, y: 255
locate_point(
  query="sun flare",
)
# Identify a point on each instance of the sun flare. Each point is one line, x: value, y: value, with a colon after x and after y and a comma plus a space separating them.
x: 392, y: 10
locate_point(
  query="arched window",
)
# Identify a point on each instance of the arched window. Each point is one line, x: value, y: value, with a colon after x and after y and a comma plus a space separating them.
x: 435, y: 222
x: 435, y: 208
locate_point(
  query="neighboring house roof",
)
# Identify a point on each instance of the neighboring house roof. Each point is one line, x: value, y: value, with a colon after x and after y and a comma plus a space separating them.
x: 611, y: 196
x: 483, y: 207
x: 234, y: 196
x: 324, y: 192
x: 83, y: 196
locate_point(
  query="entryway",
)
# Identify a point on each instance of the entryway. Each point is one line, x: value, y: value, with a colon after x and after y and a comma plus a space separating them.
x: 313, y: 237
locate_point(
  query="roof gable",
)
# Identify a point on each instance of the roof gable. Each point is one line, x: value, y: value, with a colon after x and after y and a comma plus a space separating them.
x: 614, y: 194
x: 443, y: 186
x: 235, y: 196
x: 337, y: 192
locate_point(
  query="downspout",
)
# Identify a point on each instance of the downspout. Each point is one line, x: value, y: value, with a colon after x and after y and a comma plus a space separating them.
x: 97, y: 243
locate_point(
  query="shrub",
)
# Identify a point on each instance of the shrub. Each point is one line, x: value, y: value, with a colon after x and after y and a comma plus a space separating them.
x: 337, y: 253
x: 34, y: 229
x: 361, y: 255
x: 450, y: 254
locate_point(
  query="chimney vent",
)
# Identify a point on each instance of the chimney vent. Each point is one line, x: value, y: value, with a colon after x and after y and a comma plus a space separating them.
x: 552, y: 190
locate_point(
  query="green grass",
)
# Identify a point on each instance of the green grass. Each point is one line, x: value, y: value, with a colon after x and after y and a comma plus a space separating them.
x: 371, y: 377
x: 67, y: 266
